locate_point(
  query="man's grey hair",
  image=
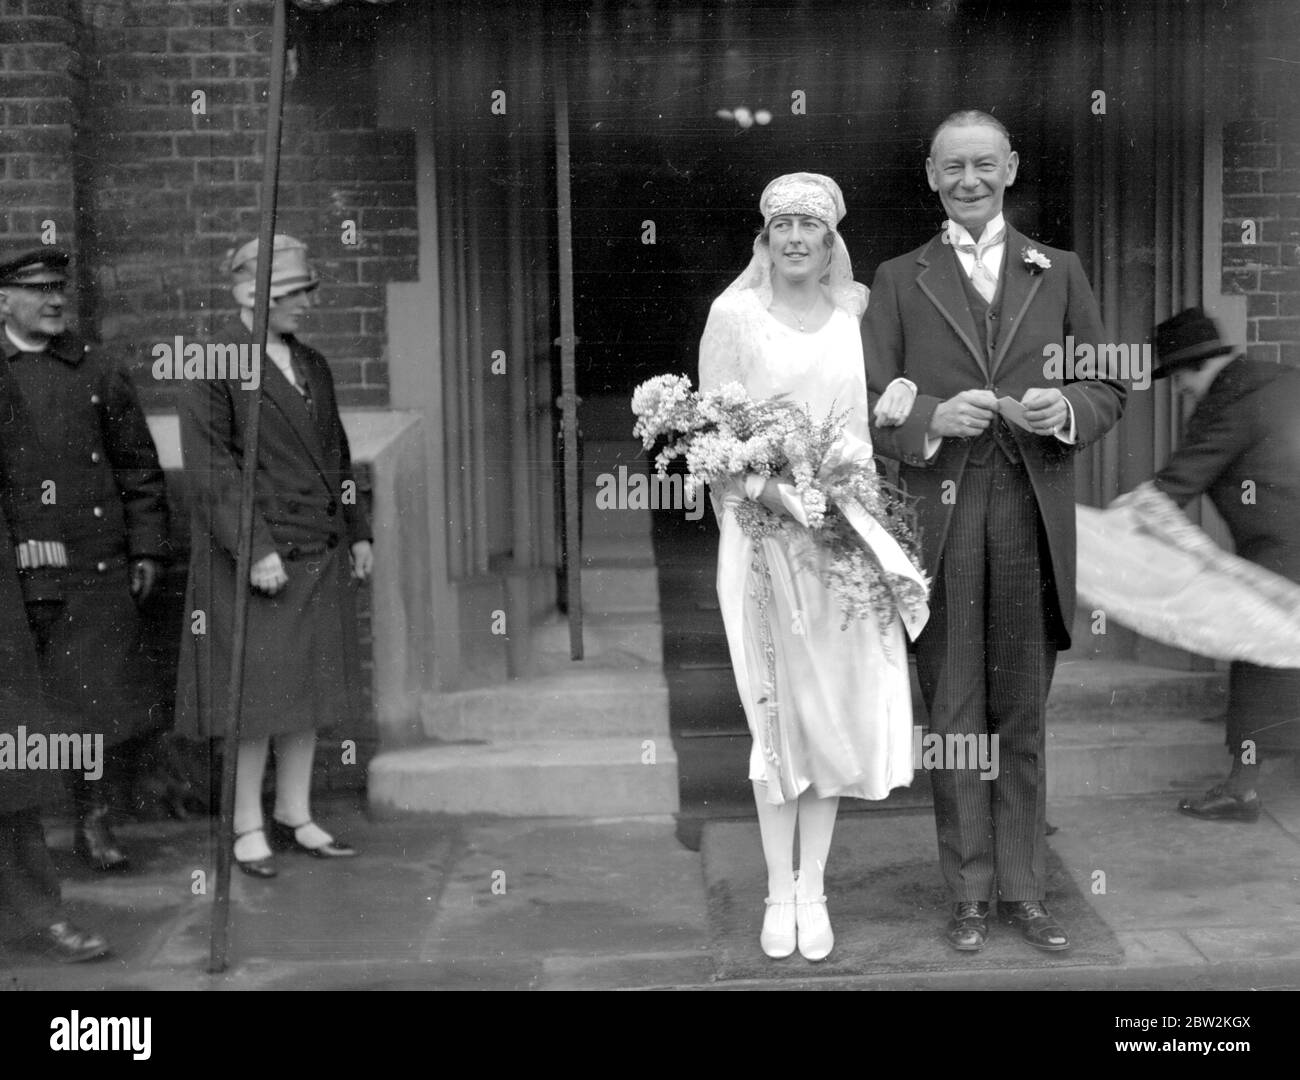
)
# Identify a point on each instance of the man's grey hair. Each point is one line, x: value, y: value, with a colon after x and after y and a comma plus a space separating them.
x: 969, y: 118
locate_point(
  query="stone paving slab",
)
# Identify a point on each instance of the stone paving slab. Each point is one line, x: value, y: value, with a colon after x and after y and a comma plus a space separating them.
x: 1166, y: 871
x: 620, y: 904
x: 560, y: 888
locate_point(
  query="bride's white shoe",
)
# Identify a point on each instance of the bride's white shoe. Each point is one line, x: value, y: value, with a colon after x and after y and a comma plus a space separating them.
x: 814, y: 925
x: 778, y: 935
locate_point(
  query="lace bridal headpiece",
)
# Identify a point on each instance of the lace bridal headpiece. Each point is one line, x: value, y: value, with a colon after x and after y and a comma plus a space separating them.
x: 812, y: 195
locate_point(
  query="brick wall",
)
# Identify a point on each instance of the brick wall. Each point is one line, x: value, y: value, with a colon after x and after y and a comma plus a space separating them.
x: 1261, y: 183
x: 40, y: 89
x: 173, y: 132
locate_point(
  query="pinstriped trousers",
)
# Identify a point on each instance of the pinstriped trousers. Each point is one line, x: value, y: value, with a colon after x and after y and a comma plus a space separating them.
x: 985, y: 664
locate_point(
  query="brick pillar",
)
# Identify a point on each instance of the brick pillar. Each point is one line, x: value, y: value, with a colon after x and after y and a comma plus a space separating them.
x: 1261, y: 185
x: 40, y: 90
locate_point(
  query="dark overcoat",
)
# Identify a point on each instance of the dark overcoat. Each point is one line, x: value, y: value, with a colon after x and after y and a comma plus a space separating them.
x: 919, y: 326
x: 23, y: 706
x: 78, y: 465
x: 1242, y: 449
x: 301, y: 664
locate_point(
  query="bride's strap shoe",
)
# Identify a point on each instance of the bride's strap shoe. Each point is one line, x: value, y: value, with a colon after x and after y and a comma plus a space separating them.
x: 285, y: 837
x: 778, y: 936
x: 814, y: 925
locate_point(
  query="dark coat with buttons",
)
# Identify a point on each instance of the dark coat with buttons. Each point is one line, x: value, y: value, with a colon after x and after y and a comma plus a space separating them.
x: 919, y: 326
x: 78, y: 465
x: 301, y: 664
x: 23, y: 709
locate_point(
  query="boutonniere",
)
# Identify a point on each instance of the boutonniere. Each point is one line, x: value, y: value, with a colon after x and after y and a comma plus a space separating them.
x: 1035, y: 260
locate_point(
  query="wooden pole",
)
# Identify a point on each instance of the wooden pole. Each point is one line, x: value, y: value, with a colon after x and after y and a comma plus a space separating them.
x: 220, y: 939
x: 568, y: 379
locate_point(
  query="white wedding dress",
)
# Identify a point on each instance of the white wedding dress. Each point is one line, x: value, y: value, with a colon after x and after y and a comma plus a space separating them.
x: 828, y: 708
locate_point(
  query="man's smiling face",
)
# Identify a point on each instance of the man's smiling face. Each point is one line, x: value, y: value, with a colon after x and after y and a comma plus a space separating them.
x: 970, y: 167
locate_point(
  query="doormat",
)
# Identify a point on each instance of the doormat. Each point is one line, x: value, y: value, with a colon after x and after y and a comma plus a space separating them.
x: 888, y: 907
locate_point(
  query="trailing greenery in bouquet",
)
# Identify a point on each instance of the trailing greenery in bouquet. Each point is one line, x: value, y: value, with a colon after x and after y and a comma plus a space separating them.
x: 723, y: 434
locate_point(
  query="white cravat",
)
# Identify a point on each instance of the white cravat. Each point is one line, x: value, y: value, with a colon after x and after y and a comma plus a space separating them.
x: 982, y: 259
x: 20, y: 344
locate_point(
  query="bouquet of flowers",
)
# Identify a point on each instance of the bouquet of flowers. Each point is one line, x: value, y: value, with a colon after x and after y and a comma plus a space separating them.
x: 835, y: 500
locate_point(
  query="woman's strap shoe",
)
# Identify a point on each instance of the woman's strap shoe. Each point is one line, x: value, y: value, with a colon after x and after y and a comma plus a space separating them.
x: 1220, y: 804
x: 816, y: 939
x: 285, y: 837
x: 778, y: 936
x: 258, y: 868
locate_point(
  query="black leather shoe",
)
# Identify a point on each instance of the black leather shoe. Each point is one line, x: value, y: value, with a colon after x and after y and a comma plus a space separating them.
x: 285, y: 837
x: 96, y: 843
x: 1219, y: 804
x: 969, y: 927
x: 69, y: 944
x: 258, y: 868
x: 1036, y: 925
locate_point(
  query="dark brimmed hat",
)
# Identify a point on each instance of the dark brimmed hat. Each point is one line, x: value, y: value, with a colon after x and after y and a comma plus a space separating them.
x: 34, y: 266
x: 1188, y: 338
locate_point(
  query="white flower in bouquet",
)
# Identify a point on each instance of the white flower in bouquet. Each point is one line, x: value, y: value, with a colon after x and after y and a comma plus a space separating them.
x: 664, y: 404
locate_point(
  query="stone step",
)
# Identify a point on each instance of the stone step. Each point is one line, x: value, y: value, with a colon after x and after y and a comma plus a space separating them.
x: 1115, y: 755
x: 620, y: 589
x: 1087, y: 689
x: 578, y: 704
x: 618, y: 552
x: 561, y: 778
x: 626, y: 640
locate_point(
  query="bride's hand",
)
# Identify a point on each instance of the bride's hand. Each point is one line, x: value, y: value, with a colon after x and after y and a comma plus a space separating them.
x: 770, y: 497
x: 895, y: 405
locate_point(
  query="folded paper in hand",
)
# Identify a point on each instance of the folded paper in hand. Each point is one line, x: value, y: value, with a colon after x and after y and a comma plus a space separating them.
x: 1013, y: 411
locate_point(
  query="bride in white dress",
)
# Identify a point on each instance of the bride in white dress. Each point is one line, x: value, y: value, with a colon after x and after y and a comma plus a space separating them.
x: 828, y: 704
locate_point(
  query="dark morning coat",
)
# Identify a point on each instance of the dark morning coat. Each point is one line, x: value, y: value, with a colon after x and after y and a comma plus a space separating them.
x: 919, y: 325
x: 78, y: 465
x: 301, y: 664
x: 1242, y: 449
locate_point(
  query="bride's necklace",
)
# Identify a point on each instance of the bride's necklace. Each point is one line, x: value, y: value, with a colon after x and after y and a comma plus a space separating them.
x: 799, y: 316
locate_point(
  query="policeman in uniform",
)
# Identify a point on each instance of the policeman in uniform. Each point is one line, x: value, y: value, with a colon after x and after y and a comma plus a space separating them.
x: 83, y: 493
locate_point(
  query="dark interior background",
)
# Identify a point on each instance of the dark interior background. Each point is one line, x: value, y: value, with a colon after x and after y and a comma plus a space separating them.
x: 646, y: 83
